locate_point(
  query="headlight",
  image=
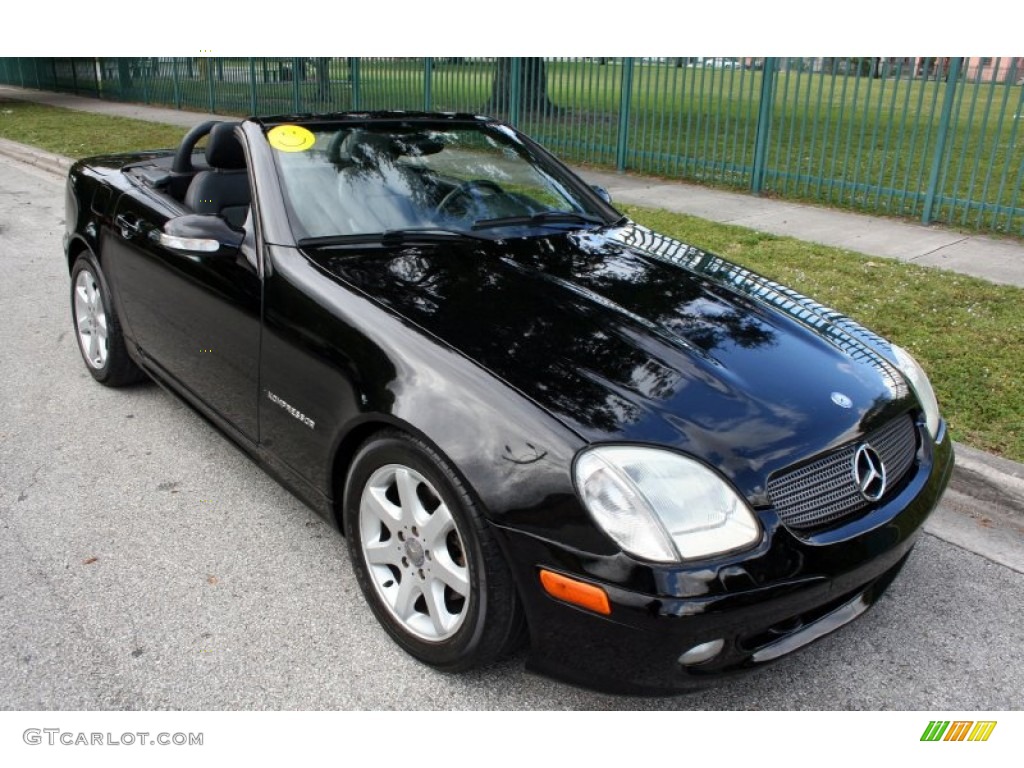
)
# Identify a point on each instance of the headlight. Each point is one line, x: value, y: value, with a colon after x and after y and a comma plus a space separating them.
x: 662, y: 506
x: 918, y: 380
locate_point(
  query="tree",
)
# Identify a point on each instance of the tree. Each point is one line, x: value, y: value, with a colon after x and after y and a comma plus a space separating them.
x: 869, y: 66
x: 323, y: 79
x: 533, y: 86
x: 124, y: 72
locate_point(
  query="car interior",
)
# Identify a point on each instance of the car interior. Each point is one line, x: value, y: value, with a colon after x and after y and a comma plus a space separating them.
x: 211, y: 178
x: 362, y: 187
x: 362, y: 181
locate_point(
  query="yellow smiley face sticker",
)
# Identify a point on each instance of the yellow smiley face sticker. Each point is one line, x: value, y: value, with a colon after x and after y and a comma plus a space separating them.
x: 291, y: 138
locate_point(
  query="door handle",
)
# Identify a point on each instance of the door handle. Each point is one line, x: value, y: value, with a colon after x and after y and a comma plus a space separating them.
x: 129, y: 226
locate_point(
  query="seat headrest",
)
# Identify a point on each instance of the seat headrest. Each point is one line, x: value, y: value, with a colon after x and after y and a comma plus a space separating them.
x: 223, y: 149
x: 366, y: 148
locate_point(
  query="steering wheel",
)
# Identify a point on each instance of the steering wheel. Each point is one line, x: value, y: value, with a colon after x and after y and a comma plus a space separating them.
x: 469, y: 189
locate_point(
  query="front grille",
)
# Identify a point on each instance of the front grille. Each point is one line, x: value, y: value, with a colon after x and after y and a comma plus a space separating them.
x: 824, y: 492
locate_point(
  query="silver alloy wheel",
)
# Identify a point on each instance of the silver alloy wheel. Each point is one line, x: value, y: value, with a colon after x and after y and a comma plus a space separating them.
x: 414, y: 553
x: 90, y: 319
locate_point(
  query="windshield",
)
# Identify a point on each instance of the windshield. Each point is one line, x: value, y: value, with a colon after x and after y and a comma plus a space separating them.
x: 366, y: 180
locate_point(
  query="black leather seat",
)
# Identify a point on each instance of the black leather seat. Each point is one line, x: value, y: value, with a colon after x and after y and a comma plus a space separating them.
x: 224, y: 189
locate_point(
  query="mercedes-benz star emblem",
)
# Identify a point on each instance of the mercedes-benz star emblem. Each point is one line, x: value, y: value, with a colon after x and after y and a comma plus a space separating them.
x: 841, y: 400
x: 869, y: 473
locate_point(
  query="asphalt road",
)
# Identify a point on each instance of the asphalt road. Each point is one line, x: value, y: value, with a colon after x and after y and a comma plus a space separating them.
x: 146, y: 563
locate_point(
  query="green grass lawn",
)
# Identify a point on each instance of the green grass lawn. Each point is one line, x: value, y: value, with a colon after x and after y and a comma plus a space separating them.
x: 80, y: 134
x: 966, y: 332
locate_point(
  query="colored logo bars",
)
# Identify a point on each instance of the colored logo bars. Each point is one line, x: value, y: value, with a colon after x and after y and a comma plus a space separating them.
x: 958, y: 730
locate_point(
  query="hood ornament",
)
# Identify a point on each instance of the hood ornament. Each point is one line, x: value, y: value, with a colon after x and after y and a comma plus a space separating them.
x: 869, y: 473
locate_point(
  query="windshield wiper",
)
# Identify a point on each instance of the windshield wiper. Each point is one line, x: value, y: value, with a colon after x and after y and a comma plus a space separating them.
x: 391, y: 237
x: 539, y: 219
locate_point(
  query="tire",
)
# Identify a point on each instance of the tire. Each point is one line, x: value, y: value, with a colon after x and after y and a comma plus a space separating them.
x: 409, y: 520
x: 97, y: 328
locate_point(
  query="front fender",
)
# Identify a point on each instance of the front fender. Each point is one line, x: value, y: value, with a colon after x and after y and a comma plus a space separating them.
x: 337, y: 359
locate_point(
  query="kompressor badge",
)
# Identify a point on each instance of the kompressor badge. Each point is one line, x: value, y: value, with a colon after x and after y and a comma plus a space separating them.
x: 292, y: 410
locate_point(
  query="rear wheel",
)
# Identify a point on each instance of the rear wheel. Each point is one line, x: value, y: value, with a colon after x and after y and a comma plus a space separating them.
x: 425, y: 558
x: 97, y: 328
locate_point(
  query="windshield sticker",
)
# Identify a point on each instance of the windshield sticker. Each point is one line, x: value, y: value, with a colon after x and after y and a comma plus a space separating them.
x: 291, y: 138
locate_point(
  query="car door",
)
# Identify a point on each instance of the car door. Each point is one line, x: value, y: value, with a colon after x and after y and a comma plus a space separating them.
x: 196, y: 319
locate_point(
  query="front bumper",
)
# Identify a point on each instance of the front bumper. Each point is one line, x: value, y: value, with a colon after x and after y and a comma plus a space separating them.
x: 762, y: 605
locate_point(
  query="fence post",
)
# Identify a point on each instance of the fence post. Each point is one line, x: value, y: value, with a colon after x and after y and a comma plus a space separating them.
x: 296, y: 88
x: 764, y: 124
x: 209, y: 84
x: 516, y: 91
x: 174, y: 80
x: 144, y: 66
x: 428, y: 76
x: 952, y: 75
x: 252, y: 86
x: 74, y: 76
x: 353, y: 74
x: 625, y: 100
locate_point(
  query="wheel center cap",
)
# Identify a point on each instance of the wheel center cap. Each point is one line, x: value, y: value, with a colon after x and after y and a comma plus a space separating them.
x: 414, y: 551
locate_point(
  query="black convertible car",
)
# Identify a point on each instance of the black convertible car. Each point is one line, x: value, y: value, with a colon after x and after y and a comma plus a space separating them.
x: 534, y: 420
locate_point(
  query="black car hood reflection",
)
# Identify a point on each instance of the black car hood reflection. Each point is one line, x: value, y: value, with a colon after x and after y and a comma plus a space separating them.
x: 625, y: 335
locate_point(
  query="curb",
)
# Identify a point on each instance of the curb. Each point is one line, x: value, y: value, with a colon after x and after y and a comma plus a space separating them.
x: 989, y: 478
x: 983, y: 508
x: 40, y: 158
x: 982, y: 511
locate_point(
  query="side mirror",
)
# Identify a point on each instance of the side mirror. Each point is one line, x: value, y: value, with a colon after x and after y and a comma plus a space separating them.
x: 201, y: 235
x: 602, y: 193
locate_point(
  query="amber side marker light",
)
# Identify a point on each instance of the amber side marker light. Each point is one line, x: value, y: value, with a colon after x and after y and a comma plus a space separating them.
x: 576, y: 592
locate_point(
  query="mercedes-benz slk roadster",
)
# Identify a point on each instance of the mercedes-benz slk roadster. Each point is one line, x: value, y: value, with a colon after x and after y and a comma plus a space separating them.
x: 535, y: 421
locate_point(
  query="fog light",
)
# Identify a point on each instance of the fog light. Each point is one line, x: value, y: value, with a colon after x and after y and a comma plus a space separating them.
x: 702, y: 652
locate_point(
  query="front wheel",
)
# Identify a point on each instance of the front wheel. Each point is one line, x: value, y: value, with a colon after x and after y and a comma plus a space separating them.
x: 425, y: 558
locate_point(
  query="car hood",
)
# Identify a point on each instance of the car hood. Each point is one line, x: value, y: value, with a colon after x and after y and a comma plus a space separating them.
x: 625, y: 335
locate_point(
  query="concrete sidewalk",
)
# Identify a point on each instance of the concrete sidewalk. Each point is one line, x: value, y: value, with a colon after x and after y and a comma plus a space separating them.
x: 993, y: 259
x: 990, y: 258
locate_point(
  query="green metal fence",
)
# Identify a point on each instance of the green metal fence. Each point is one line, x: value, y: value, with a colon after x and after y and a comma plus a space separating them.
x: 936, y: 139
